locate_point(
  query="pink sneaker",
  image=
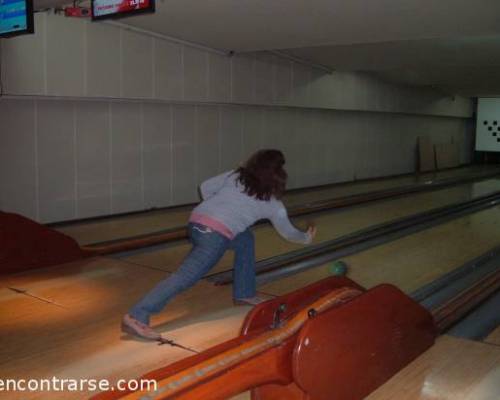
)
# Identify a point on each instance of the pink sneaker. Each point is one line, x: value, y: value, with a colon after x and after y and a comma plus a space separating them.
x: 137, y: 328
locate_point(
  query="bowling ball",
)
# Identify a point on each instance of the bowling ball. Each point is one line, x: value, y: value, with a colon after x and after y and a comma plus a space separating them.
x: 337, y: 268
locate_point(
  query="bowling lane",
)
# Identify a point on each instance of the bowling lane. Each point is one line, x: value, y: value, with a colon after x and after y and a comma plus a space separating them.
x: 493, y: 337
x: 412, y: 261
x: 95, y: 293
x: 80, y: 336
x: 444, y: 372
x: 330, y: 225
x: 348, y: 189
x: 453, y: 369
x: 153, y: 221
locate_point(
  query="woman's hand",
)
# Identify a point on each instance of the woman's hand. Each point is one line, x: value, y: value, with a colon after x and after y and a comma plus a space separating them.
x: 311, y: 230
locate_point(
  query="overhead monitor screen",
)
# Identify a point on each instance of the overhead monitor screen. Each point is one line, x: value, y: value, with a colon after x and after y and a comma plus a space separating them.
x: 16, y: 17
x: 102, y: 9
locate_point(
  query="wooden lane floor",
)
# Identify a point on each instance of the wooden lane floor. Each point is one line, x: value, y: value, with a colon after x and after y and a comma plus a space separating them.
x: 302, y: 197
x: 493, y: 337
x: 157, y: 220
x: 412, y: 261
x: 79, y: 336
x: 330, y: 225
x: 453, y: 369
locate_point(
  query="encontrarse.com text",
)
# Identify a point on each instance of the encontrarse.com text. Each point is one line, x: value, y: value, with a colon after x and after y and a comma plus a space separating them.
x: 55, y: 384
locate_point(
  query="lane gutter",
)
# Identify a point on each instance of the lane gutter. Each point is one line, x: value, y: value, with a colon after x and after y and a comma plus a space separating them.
x: 293, y: 262
x: 180, y: 233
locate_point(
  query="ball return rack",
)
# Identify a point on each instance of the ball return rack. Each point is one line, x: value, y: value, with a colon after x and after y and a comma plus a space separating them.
x: 330, y: 340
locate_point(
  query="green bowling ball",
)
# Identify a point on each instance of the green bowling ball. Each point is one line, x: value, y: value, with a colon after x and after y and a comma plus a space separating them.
x: 337, y: 268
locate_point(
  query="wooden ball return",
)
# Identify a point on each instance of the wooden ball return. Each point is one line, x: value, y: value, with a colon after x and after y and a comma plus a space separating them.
x: 329, y: 340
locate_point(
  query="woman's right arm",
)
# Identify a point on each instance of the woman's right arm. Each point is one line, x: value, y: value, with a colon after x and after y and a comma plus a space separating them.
x: 281, y: 222
x: 212, y: 185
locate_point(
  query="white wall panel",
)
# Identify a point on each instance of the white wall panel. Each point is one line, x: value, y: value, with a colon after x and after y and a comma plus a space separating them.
x: 376, y: 94
x: 387, y: 149
x: 341, y: 91
x: 103, y: 61
x: 219, y: 78
x: 408, y: 140
x: 23, y: 62
x: 253, y: 130
x: 319, y: 90
x: 301, y: 81
x: 275, y: 120
x: 56, y: 160
x: 137, y: 65
x: 302, y: 152
x: 65, y: 56
x: 369, y: 136
x: 264, y: 74
x: 380, y: 142
x: 359, y: 86
x: 307, y: 158
x: 93, y: 159
x: 207, y: 143
x: 184, y: 188
x: 195, y: 74
x: 328, y: 127
x: 126, y: 152
x: 403, y: 101
x: 18, y: 182
x: 461, y: 138
x: 392, y: 97
x: 64, y: 159
x: 319, y: 143
x: 243, y: 78
x: 288, y: 135
x: 157, y: 155
x: 366, y: 148
x: 399, y: 160
x: 270, y: 137
x: 316, y: 147
x: 379, y: 95
x: 282, y: 80
x: 168, y: 72
x: 343, y: 157
x: 231, y: 130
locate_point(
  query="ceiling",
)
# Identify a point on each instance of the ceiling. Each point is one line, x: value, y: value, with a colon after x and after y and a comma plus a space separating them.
x: 469, y: 66
x: 452, y: 44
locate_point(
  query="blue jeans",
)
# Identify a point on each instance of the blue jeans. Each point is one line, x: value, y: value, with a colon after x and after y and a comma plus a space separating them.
x: 208, y: 248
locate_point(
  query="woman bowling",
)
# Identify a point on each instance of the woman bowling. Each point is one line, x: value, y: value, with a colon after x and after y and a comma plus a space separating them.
x: 231, y: 203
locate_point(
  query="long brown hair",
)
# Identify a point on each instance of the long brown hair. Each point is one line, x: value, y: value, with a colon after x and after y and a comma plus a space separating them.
x: 263, y: 175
